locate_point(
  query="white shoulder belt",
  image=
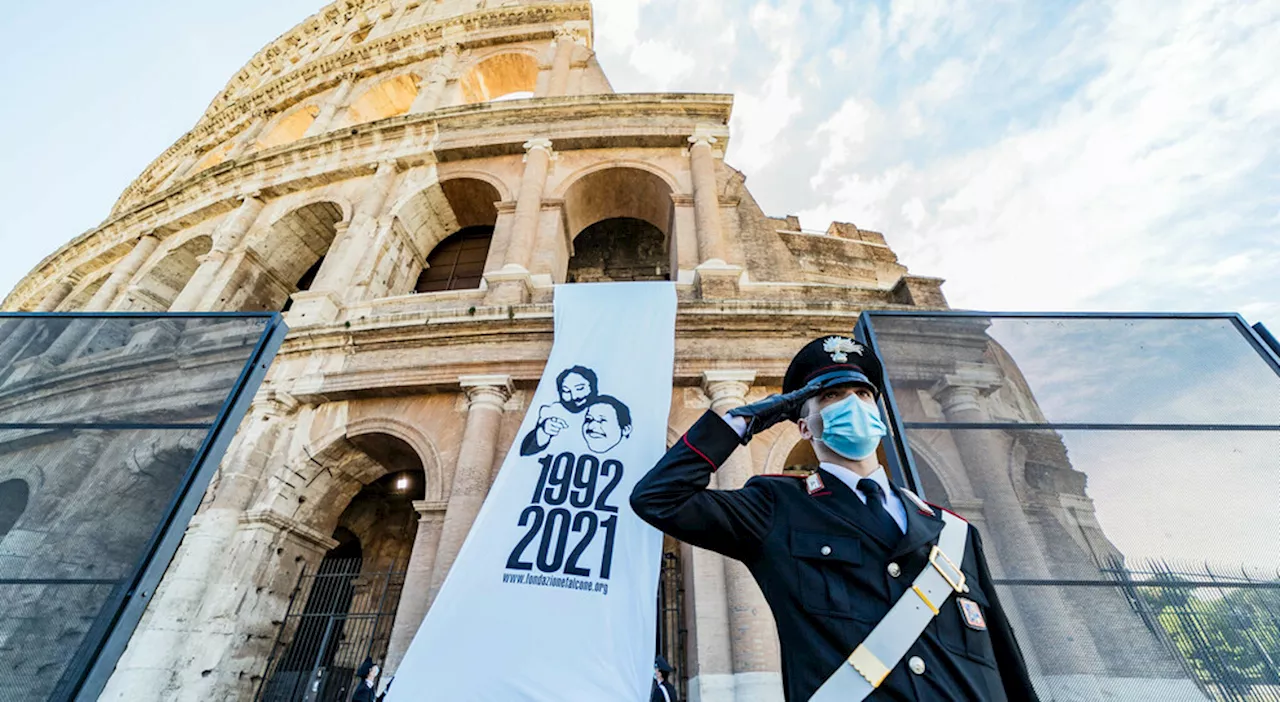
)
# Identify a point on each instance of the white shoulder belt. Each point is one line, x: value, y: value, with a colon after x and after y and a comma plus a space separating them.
x: 871, y: 661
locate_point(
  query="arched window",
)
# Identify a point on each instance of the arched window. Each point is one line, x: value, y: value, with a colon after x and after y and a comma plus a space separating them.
x: 387, y: 98
x: 510, y: 76
x: 620, y: 222
x: 14, y: 495
x: 458, y: 262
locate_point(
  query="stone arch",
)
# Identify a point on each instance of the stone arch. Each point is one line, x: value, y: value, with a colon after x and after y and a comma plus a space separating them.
x: 432, y: 466
x: 502, y: 187
x: 498, y: 75
x: 620, y: 220
x: 561, y: 191
x: 783, y: 448
x: 214, y: 156
x: 157, y: 286
x: 289, y: 128
x: 291, y: 250
x: 346, y: 461
x: 938, y: 485
x: 85, y: 291
x: 387, y: 98
x: 450, y: 226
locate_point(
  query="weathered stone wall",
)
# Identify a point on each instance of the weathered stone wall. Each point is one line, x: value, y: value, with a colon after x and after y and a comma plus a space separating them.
x: 322, y: 178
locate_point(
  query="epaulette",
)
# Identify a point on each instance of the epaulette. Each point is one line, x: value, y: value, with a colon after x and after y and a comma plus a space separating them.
x: 798, y: 476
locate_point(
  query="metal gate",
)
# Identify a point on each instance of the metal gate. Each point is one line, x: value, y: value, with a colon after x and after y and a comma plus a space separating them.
x: 337, y: 617
x: 672, y: 633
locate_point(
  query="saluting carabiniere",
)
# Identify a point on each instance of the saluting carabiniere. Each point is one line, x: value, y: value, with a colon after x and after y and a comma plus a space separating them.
x: 877, y: 594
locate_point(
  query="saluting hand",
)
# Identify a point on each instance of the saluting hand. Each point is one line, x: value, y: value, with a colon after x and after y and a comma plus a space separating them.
x: 773, y: 409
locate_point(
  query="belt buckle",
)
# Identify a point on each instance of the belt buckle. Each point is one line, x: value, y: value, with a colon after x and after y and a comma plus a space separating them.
x: 955, y: 578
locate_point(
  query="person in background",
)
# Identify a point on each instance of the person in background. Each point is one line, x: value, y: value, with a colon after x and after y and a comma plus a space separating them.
x: 368, y: 676
x: 663, y: 690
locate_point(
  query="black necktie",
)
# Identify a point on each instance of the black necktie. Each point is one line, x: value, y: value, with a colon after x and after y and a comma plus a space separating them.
x: 884, y: 524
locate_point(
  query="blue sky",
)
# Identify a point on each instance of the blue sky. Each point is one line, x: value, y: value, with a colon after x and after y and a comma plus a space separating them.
x: 1097, y: 154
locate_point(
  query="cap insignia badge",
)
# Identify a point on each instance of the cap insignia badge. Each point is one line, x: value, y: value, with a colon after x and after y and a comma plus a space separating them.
x: 813, y: 483
x: 972, y: 614
x: 840, y: 348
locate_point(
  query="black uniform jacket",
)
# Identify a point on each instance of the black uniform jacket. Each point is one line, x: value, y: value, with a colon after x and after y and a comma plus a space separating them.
x: 655, y: 693
x: 825, y: 605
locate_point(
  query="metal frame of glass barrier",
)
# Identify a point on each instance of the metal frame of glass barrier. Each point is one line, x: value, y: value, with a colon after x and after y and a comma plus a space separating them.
x: 1192, y: 609
x: 901, y: 463
x: 87, y: 675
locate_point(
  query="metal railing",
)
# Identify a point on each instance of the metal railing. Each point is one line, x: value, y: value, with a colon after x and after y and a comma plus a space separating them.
x: 337, y: 617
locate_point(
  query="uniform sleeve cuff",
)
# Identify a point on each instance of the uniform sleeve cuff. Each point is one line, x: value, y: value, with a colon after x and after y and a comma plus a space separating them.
x: 712, y: 438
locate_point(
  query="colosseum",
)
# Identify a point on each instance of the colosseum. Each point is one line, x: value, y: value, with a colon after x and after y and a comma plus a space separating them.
x: 407, y: 181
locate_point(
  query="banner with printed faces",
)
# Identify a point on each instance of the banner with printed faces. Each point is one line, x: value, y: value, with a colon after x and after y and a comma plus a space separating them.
x: 552, y: 596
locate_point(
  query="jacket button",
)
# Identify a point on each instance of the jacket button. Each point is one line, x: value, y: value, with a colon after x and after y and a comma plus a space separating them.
x: 826, y: 551
x: 894, y: 570
x: 916, y: 664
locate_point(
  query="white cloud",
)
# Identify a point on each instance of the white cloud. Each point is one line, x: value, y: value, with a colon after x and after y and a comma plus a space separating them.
x: 1142, y: 184
x: 661, y: 61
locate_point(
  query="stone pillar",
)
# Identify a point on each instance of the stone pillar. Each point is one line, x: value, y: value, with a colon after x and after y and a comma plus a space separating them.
x: 524, y: 230
x: 341, y: 264
x: 55, y: 296
x: 753, y: 637
x: 432, y: 95
x: 18, y: 332
x: 61, y: 349
x: 232, y: 230
x: 511, y: 284
x: 245, y: 141
x: 561, y: 64
x: 199, y: 590
x: 706, y: 198
x: 417, y: 582
x: 714, y: 277
x: 1011, y: 547
x: 329, y: 109
x: 486, y: 394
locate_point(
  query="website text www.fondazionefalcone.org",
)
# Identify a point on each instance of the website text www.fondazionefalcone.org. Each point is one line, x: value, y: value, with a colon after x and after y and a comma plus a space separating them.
x: 556, y: 581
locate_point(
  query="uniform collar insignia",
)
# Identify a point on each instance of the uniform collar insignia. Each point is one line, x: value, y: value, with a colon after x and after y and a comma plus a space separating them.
x: 813, y: 483
x: 839, y: 347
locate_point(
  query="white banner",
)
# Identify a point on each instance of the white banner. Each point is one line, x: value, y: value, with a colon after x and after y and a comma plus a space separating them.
x: 552, y: 597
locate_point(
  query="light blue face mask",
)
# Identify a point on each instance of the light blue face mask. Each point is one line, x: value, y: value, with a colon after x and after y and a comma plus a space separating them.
x: 852, y: 428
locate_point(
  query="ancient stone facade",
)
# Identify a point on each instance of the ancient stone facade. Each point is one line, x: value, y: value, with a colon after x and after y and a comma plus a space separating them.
x: 408, y: 180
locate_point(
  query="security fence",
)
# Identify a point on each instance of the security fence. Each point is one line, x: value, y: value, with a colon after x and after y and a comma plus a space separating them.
x: 1100, y: 455
x: 338, y: 616
x: 111, y: 427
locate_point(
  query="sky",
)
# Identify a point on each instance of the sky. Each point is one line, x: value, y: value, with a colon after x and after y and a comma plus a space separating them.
x: 1073, y: 155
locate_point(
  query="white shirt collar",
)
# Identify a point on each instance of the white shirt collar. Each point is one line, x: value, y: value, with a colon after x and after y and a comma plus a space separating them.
x: 850, y: 478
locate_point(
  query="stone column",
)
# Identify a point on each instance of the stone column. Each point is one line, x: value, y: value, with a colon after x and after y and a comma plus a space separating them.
x: 486, y: 394
x: 753, y: 637
x: 229, y: 234
x: 61, y: 349
x: 55, y: 296
x: 524, y: 230
x: 511, y: 284
x: 715, y: 279
x: 341, y: 264
x: 201, y: 591
x: 329, y: 109
x: 706, y: 198
x: 18, y: 332
x: 417, y: 582
x: 1011, y: 546
x: 432, y: 95
x: 245, y: 141
x: 561, y: 64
